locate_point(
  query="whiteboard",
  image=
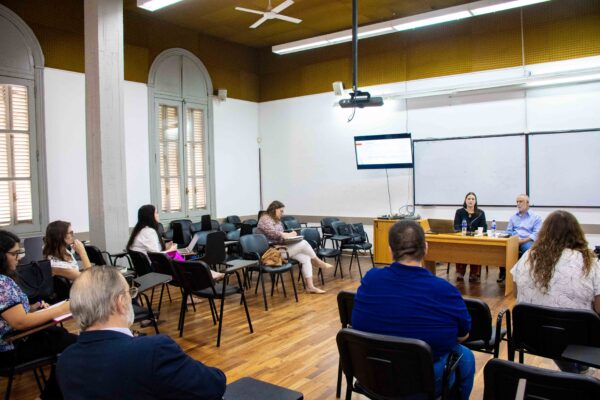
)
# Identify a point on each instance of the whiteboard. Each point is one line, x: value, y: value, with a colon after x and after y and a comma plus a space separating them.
x: 564, y: 169
x: 492, y: 167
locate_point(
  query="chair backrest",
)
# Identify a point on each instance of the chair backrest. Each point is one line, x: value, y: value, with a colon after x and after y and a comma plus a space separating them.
x: 326, y: 225
x: 205, y: 222
x: 196, y: 227
x: 481, y: 320
x: 214, y: 225
x: 214, y: 252
x: 254, y: 244
x: 227, y: 227
x: 252, y: 222
x: 162, y: 264
x: 345, y: 300
x: 288, y: 218
x: 95, y: 255
x: 291, y: 224
x: 546, y: 331
x: 234, y: 235
x: 194, y: 275
x: 35, y: 279
x: 33, y: 249
x: 501, y: 379
x: 359, y: 230
x: 341, y: 228
x: 245, y: 229
x: 233, y: 219
x: 182, y: 231
x: 312, y: 236
x: 387, y: 366
x: 140, y: 262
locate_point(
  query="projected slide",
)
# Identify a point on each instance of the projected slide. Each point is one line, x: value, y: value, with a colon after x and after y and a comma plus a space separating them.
x: 383, y: 151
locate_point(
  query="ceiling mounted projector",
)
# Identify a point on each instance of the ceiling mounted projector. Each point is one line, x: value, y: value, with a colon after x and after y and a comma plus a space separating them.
x: 361, y: 99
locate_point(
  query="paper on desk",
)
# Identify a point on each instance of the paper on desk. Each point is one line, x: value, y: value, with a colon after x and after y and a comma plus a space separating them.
x: 60, y: 317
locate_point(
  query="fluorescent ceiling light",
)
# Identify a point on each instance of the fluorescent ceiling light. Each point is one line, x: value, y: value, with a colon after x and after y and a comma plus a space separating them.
x: 302, y: 47
x: 432, y: 21
x: 504, y: 6
x: 402, y: 24
x: 567, y: 79
x: 153, y: 5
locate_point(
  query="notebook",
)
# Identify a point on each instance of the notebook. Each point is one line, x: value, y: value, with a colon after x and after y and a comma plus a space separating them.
x: 294, y: 239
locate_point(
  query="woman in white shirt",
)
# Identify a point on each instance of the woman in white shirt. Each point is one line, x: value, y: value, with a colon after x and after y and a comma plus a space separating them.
x: 559, y: 270
x: 144, y: 237
x: 60, y: 247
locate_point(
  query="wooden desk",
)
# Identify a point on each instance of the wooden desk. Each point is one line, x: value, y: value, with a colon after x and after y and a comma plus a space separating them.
x: 482, y: 250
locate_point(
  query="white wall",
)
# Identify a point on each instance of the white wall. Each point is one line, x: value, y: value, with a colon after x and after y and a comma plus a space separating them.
x: 235, y: 150
x: 236, y: 157
x: 309, y: 160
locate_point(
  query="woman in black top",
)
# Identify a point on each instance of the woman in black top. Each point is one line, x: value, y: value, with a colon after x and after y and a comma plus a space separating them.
x: 475, y: 218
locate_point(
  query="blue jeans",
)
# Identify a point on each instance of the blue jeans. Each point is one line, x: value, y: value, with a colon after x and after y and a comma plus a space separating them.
x: 466, y: 367
x: 524, y: 247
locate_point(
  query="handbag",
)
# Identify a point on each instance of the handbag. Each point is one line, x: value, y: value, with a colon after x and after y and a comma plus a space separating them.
x: 35, y: 279
x: 271, y: 257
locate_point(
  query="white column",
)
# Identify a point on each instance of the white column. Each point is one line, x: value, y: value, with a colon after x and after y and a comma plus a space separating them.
x: 107, y: 180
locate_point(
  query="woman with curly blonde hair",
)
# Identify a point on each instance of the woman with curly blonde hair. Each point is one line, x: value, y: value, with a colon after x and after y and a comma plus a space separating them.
x: 559, y: 270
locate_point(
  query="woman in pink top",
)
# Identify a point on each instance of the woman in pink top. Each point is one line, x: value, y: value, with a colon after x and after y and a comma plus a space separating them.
x: 270, y: 225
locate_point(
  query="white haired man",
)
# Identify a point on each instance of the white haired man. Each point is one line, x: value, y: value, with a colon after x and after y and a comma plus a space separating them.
x: 107, y: 362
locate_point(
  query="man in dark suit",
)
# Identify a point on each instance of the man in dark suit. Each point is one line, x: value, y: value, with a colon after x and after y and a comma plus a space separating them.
x: 107, y: 362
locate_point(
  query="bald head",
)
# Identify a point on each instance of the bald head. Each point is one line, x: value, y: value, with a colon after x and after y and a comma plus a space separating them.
x: 96, y: 294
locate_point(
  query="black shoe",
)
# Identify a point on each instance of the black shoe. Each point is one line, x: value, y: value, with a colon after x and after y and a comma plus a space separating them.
x: 501, y: 278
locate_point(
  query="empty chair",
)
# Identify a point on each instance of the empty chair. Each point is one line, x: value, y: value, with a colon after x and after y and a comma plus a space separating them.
x: 228, y: 227
x: 33, y: 249
x: 547, y: 331
x: 484, y: 337
x: 389, y: 367
x: 197, y: 280
x: 326, y: 228
x: 182, y: 233
x: 246, y: 229
x: 352, y: 240
x: 96, y: 255
x: 252, y: 222
x: 312, y: 236
x: 233, y: 219
x: 345, y: 301
x: 214, y: 251
x: 502, y: 378
x: 253, y: 247
x: 291, y: 224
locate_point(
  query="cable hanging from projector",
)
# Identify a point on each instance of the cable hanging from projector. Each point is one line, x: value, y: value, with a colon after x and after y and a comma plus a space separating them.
x: 357, y: 98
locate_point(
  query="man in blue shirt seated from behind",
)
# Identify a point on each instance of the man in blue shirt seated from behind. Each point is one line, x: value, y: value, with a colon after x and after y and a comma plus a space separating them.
x: 405, y: 299
x: 107, y: 362
x: 526, y: 225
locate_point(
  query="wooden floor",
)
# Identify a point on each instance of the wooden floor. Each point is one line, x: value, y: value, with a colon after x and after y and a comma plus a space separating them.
x: 293, y: 344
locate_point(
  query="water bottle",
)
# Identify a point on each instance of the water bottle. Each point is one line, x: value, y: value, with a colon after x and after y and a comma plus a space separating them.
x: 464, y: 227
x: 493, y: 230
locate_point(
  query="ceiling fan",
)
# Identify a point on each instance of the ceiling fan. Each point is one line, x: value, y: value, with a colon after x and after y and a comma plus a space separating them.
x: 271, y: 13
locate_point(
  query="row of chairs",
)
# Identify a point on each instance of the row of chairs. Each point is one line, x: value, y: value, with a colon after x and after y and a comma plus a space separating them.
x: 536, y: 330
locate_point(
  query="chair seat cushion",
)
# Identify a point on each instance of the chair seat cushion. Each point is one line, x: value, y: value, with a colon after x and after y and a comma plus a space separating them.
x: 358, y: 246
x: 482, y: 344
x: 276, y: 268
x: 218, y: 287
x: 328, y: 252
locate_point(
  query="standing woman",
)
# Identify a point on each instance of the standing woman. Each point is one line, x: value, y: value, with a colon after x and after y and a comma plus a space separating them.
x: 475, y: 219
x: 270, y: 225
x: 15, y: 315
x: 60, y: 247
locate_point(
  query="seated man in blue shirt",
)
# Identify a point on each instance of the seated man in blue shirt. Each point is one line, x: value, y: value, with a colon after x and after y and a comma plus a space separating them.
x: 107, y: 362
x: 526, y: 225
x: 406, y: 300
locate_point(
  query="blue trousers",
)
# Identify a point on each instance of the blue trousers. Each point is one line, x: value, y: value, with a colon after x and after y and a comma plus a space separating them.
x: 466, y: 368
x: 524, y: 247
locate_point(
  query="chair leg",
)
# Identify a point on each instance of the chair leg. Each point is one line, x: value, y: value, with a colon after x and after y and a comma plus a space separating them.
x: 521, y: 356
x: 221, y: 319
x: 273, y: 279
x: 257, y: 282
x: 247, y: 313
x: 262, y: 282
x: 213, y: 310
x: 169, y: 294
x: 182, y: 314
x: 338, y: 387
x: 372, y: 261
x: 162, y: 291
x: 320, y: 273
x: 8, y: 387
x: 357, y: 262
x: 282, y: 285
x: 294, y: 285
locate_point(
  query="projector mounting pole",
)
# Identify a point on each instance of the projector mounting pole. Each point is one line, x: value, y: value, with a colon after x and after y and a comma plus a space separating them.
x: 354, y: 45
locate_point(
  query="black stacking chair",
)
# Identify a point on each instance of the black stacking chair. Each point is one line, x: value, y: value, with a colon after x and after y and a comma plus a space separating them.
x: 96, y: 255
x: 182, y: 231
x: 356, y: 240
x: 484, y: 337
x: 253, y: 247
x: 233, y: 219
x: 142, y: 266
x: 33, y: 249
x: 390, y: 367
x: 345, y: 301
x: 228, y: 227
x: 197, y: 280
x: 163, y: 264
x: 142, y: 313
x: 547, y: 331
x: 252, y: 222
x: 326, y: 228
x: 214, y: 252
x: 501, y: 380
x: 246, y: 229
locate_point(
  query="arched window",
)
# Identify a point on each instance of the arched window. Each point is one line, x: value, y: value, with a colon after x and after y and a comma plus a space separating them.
x: 181, y: 135
x: 23, y: 199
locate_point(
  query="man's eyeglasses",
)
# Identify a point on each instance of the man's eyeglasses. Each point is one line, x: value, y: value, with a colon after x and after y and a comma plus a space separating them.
x: 133, y: 292
x: 18, y: 253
